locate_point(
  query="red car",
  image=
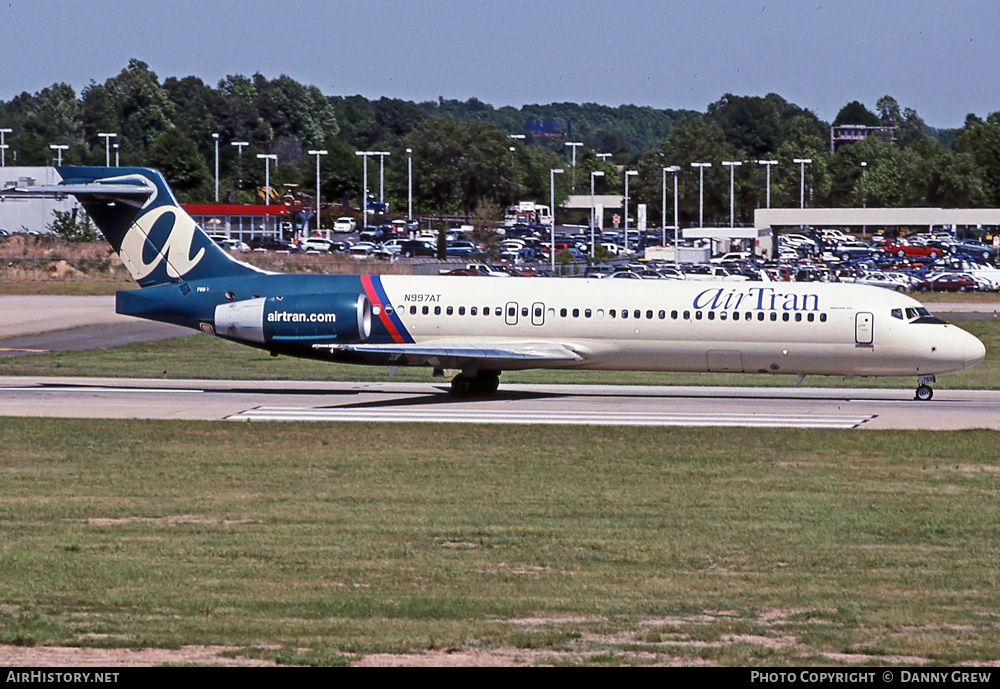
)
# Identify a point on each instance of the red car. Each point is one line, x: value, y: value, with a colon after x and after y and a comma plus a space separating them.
x: 913, y: 249
x: 948, y: 282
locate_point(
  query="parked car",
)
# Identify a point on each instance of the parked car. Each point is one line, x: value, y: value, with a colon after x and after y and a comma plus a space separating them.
x: 230, y: 243
x: 345, y: 224
x: 850, y: 251
x: 974, y: 249
x: 271, y: 244
x: 948, y: 282
x: 317, y: 244
x: 417, y: 247
x: 902, y: 248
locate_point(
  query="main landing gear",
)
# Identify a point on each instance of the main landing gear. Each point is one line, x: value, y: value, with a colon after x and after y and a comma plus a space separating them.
x: 924, y: 391
x: 482, y: 383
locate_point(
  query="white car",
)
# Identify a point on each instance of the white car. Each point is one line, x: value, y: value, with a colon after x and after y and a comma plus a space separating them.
x: 317, y: 244
x: 345, y: 224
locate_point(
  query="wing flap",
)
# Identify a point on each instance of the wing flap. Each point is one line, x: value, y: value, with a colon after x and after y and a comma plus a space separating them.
x: 458, y: 355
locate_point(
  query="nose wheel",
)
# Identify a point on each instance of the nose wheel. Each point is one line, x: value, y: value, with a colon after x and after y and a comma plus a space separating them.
x: 924, y: 391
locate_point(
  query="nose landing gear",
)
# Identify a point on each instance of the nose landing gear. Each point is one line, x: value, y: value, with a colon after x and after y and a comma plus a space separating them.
x: 924, y: 391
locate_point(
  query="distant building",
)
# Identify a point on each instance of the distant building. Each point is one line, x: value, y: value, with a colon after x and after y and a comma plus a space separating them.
x: 558, y: 127
x: 849, y: 133
x: 21, y: 214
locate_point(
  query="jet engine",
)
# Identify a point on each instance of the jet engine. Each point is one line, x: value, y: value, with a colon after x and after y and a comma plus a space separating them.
x: 296, y: 318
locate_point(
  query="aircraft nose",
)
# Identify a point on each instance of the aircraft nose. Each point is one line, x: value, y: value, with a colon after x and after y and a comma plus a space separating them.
x: 974, y: 350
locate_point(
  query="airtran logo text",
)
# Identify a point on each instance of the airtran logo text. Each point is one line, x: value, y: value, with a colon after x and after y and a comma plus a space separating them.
x: 759, y: 298
x: 292, y: 317
x: 175, y: 249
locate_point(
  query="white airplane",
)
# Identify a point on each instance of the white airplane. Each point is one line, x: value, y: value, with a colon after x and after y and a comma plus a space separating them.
x: 481, y: 326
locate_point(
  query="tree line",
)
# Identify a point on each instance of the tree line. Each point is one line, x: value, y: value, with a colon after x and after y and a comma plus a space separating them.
x: 464, y: 160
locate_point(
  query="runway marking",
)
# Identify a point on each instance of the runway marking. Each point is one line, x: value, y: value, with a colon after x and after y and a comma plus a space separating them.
x: 21, y: 349
x: 597, y: 418
x: 90, y: 389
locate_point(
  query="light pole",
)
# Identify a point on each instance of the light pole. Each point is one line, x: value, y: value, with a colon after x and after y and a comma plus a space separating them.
x: 574, y: 145
x: 381, y: 175
x: 628, y: 173
x: 240, y: 145
x: 677, y: 230
x: 593, y: 244
x: 317, y: 153
x: 216, y: 137
x: 701, y: 191
x: 115, y: 146
x: 107, y: 136
x: 409, y: 185
x: 732, y: 165
x: 768, y: 164
x: 663, y: 206
x: 364, y: 207
x: 3, y: 145
x: 267, y: 158
x: 603, y: 156
x: 802, y: 162
x: 552, y: 200
x: 58, y: 148
x: 864, y: 201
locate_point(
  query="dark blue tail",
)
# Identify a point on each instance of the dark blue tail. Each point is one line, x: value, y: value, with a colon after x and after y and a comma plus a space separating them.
x: 157, y: 240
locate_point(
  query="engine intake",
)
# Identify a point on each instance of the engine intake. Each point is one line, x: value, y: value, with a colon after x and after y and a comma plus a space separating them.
x: 305, y: 318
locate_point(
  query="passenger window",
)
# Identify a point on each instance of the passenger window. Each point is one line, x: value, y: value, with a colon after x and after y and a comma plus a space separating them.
x: 673, y: 314
x: 461, y: 310
x: 687, y: 315
x: 722, y: 315
x: 736, y: 315
x: 774, y: 316
x: 576, y: 313
x: 499, y: 311
x: 586, y: 314
x: 624, y: 313
x: 822, y: 318
x: 511, y: 312
x: 538, y: 312
x: 426, y: 310
x: 637, y: 314
x: 413, y: 310
x: 473, y: 311
x: 798, y: 317
x: 760, y: 315
x: 662, y: 315
x: 562, y: 312
x: 697, y: 315
x: 600, y: 313
x: 524, y: 310
x: 785, y: 316
x: 437, y: 310
x: 711, y: 315
x: 810, y: 317
x: 649, y: 315
x: 611, y: 313
x: 449, y: 311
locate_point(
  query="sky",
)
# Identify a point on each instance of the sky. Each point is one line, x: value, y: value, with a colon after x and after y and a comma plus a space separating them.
x: 941, y: 58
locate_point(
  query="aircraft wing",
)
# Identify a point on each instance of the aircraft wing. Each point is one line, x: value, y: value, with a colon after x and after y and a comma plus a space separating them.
x: 460, y: 355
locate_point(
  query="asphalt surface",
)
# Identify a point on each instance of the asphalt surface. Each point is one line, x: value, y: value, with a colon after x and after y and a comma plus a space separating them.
x: 521, y: 404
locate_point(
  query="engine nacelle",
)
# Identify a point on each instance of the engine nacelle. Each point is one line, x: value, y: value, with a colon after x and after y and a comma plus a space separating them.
x: 302, y: 318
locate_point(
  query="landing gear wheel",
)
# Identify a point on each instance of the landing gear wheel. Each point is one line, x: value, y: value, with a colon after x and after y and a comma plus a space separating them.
x: 924, y: 393
x: 484, y: 383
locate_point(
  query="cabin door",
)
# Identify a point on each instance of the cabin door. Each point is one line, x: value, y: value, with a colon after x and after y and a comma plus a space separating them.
x: 864, y: 331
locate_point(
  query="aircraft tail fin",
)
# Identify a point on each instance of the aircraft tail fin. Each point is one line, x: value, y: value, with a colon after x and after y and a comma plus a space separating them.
x: 140, y: 217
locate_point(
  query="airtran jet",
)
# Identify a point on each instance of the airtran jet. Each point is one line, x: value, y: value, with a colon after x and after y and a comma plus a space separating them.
x: 483, y: 326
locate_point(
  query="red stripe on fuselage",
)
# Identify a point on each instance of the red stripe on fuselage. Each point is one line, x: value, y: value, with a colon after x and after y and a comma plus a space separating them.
x: 366, y: 282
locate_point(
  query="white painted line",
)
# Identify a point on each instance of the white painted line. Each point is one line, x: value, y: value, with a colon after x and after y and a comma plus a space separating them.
x: 493, y: 416
x: 91, y: 389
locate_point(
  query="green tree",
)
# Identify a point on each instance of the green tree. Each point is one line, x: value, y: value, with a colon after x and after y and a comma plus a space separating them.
x: 73, y: 226
x: 177, y: 157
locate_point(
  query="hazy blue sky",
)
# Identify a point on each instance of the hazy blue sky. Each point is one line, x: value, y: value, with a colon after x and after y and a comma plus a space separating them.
x: 940, y: 58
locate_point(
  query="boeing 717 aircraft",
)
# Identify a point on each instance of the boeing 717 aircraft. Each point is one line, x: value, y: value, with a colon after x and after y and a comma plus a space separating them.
x: 483, y: 326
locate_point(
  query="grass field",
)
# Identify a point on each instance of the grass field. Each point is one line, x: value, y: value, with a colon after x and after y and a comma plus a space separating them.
x: 322, y: 544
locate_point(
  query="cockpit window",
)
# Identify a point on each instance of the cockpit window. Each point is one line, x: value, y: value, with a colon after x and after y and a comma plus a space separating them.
x: 897, y: 313
x: 922, y: 315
